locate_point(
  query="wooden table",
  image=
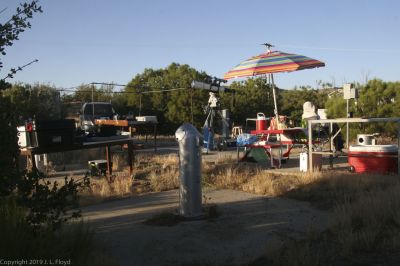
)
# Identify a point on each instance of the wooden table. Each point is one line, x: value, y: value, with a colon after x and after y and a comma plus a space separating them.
x: 105, y: 142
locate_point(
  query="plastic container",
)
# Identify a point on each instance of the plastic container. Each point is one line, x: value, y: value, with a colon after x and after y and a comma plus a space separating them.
x: 261, y: 122
x: 373, y: 158
x: 365, y: 139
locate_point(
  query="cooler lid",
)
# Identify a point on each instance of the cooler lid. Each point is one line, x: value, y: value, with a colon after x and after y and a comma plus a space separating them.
x: 373, y: 148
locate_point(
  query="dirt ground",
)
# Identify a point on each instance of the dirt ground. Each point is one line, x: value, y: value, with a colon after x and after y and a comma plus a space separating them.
x: 248, y: 226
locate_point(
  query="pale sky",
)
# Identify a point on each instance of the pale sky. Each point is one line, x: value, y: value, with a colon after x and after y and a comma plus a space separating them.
x: 83, y: 41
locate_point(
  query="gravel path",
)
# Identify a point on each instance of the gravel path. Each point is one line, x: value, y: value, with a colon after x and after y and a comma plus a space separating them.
x: 248, y: 225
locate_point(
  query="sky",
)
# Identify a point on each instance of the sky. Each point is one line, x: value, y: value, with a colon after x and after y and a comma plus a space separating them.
x: 83, y: 41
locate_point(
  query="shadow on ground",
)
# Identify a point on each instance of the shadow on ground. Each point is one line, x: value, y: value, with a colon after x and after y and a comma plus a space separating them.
x: 247, y: 226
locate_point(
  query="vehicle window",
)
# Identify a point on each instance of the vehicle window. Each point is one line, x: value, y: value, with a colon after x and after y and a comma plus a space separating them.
x: 99, y: 109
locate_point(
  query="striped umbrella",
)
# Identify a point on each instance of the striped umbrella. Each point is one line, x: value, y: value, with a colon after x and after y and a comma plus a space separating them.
x: 272, y: 62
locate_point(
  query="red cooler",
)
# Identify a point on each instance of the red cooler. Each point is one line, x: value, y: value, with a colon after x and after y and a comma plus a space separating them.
x: 261, y: 122
x: 373, y: 158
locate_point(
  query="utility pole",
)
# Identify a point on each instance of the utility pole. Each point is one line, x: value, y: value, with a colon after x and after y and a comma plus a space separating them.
x: 92, y: 101
x: 347, y: 124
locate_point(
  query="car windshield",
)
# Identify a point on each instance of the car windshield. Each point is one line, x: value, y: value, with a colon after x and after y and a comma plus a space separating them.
x: 100, y: 110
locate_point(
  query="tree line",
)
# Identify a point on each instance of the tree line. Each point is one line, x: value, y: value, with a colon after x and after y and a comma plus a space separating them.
x: 167, y: 94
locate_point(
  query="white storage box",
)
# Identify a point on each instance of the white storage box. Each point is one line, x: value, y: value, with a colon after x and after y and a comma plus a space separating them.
x: 23, y: 137
x: 147, y: 119
x: 317, y: 162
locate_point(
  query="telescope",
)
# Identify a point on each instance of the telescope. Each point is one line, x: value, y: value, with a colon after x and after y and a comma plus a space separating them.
x: 213, y: 87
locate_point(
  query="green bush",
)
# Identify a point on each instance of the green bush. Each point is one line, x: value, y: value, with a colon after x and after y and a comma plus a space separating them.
x: 19, y: 241
x: 47, y: 203
x: 74, y: 242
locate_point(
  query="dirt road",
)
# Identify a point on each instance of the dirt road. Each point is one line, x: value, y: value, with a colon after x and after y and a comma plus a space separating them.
x: 248, y: 225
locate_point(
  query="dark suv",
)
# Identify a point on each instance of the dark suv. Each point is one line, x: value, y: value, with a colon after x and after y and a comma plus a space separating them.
x: 92, y: 111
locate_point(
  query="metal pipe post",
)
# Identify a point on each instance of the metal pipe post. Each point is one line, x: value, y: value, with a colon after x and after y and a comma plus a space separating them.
x: 92, y: 103
x: 140, y: 104
x: 225, y: 123
x: 130, y: 157
x: 347, y: 125
x: 331, y: 145
x: 274, y: 95
x: 155, y: 137
x: 310, y: 162
x: 109, y: 160
x: 190, y: 142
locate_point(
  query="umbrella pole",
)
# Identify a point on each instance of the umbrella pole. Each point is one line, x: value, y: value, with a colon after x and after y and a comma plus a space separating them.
x: 274, y: 94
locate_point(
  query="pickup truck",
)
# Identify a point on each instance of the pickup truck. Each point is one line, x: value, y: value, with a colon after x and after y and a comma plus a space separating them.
x: 95, y: 110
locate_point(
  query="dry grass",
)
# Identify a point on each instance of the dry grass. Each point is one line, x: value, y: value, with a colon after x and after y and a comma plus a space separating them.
x: 227, y: 176
x: 369, y: 223
x: 102, y: 189
x: 149, y: 161
x: 364, y: 231
x: 255, y: 179
x: 162, y: 172
x: 324, y: 189
x: 365, y: 222
x: 151, y: 173
x: 164, y: 179
x: 328, y: 189
x: 223, y: 158
x: 166, y: 160
x: 119, y: 161
x: 121, y: 186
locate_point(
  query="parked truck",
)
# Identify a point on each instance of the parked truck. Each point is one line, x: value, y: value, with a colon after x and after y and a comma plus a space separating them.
x: 92, y: 111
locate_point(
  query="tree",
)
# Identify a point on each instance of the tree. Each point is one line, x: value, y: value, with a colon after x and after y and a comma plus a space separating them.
x: 379, y: 99
x: 9, y: 32
x: 138, y: 99
x: 376, y: 99
x: 150, y: 94
x: 34, y: 101
x: 89, y: 93
x: 8, y: 146
x: 185, y: 105
x: 12, y: 28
